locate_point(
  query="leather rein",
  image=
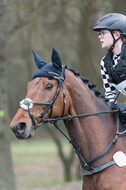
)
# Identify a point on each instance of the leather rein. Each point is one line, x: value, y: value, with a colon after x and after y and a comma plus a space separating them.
x: 86, y: 167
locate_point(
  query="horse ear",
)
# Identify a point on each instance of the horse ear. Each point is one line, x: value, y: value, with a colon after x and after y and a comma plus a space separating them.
x: 56, y: 59
x: 39, y: 62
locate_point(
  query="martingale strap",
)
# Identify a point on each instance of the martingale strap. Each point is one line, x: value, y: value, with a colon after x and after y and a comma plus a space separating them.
x: 89, y: 169
x: 98, y: 169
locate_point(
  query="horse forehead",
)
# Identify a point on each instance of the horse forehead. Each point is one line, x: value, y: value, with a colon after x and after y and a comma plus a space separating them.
x: 38, y: 81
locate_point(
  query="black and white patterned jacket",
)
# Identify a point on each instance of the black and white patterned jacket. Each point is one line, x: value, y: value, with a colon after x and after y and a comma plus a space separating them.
x: 109, y: 87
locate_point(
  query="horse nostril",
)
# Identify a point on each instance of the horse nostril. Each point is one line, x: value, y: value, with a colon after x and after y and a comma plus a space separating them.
x: 20, y: 128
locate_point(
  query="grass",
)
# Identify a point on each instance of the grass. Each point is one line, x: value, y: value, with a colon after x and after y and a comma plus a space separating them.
x: 34, y: 148
x: 36, y: 163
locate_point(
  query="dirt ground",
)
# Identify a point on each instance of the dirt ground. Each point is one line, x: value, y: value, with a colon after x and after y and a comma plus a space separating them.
x: 68, y: 186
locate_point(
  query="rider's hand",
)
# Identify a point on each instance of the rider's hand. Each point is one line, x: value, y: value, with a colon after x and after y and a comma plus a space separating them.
x: 114, y: 106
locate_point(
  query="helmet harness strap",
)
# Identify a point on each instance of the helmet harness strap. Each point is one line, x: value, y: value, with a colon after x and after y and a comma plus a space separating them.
x: 115, y: 40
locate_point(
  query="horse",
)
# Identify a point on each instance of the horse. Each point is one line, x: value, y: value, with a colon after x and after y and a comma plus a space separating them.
x: 58, y: 93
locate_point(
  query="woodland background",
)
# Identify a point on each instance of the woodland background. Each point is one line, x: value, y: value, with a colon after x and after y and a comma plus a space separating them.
x: 41, y: 25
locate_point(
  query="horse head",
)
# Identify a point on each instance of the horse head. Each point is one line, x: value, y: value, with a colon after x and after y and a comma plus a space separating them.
x: 45, y: 95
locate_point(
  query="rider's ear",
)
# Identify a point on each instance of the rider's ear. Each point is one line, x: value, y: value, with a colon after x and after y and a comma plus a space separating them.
x: 56, y: 61
x: 39, y: 62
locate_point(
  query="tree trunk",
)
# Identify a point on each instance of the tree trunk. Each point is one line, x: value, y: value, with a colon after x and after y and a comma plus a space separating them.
x: 67, y: 160
x: 6, y: 169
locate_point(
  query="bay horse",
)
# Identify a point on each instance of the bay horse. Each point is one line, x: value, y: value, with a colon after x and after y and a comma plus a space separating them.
x: 57, y: 93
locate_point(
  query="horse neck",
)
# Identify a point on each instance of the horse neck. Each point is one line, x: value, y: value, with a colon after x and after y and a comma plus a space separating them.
x: 91, y: 134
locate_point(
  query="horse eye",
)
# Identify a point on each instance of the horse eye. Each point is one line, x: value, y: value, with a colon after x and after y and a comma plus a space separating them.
x: 48, y: 86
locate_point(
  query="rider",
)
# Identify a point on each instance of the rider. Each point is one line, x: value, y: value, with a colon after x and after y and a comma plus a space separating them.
x: 112, y: 36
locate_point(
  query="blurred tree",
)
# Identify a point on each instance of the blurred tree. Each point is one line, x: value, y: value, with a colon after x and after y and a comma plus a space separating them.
x: 84, y: 47
x: 119, y: 6
x: 67, y: 160
x: 89, y: 52
x: 7, y: 181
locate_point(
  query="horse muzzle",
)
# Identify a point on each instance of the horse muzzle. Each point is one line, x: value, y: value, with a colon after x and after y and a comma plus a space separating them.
x: 22, y: 131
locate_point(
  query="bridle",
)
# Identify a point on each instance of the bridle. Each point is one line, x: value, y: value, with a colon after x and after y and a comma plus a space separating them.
x: 27, y: 105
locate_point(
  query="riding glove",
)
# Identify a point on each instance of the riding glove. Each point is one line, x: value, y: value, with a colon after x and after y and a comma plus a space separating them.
x: 114, y: 106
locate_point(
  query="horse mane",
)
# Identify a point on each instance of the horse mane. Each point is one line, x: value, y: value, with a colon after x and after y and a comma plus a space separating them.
x: 91, y: 86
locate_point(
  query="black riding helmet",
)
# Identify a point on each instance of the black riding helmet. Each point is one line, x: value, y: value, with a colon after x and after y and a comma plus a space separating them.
x: 111, y: 22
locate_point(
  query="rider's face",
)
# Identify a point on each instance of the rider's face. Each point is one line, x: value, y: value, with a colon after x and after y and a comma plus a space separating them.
x: 106, y: 39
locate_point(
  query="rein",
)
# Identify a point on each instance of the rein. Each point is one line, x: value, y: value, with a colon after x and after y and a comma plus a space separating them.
x: 69, y: 117
x: 27, y: 105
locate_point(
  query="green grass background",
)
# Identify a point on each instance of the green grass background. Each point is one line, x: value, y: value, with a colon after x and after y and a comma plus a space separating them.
x: 36, y: 163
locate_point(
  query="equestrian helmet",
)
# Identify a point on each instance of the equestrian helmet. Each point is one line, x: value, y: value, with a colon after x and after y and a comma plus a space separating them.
x: 112, y: 21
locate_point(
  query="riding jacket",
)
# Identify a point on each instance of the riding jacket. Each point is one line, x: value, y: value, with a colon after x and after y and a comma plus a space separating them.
x: 113, y: 71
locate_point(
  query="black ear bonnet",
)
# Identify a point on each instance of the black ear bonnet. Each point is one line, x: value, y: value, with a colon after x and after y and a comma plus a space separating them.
x: 51, y: 70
